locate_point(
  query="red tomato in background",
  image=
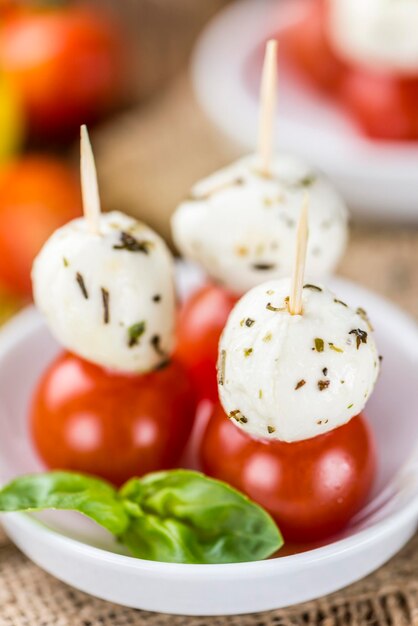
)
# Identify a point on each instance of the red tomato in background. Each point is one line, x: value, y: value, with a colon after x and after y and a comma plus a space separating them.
x: 37, y: 195
x: 201, y: 321
x: 66, y: 64
x: 386, y: 107
x: 306, y: 45
x: 89, y: 420
x: 312, y: 488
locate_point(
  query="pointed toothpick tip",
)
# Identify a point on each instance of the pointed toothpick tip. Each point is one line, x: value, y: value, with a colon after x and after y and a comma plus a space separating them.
x: 89, y: 186
x: 271, y: 46
x: 295, y: 300
x: 268, y: 98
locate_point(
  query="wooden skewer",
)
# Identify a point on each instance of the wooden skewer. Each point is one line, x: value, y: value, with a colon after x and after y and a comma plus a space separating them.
x: 268, y: 98
x: 295, y: 300
x: 89, y: 186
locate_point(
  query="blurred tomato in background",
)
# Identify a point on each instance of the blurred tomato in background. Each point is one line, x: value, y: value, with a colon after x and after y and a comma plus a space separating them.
x: 306, y: 44
x: 66, y: 63
x: 37, y: 195
x: 62, y: 64
x: 383, y: 103
x: 385, y: 106
x: 11, y: 120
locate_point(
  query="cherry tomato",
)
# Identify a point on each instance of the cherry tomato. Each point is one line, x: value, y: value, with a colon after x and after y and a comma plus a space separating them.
x: 66, y: 63
x: 312, y: 488
x: 10, y: 7
x: 86, y: 419
x: 11, y: 120
x: 305, y: 44
x: 37, y: 196
x: 386, y: 107
x: 201, y: 321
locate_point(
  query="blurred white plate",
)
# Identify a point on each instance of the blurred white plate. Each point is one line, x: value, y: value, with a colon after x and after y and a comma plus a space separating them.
x: 85, y: 556
x: 378, y: 179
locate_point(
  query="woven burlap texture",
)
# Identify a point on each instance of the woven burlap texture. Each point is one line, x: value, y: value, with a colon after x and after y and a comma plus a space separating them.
x: 30, y: 597
x: 147, y: 161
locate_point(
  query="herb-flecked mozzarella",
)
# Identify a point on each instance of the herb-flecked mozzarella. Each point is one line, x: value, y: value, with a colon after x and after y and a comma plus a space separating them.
x: 241, y: 226
x: 378, y: 33
x: 292, y: 377
x: 109, y: 297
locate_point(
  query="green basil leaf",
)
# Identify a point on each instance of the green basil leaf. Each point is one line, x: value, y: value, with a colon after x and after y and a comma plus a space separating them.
x: 93, y: 497
x: 186, y: 517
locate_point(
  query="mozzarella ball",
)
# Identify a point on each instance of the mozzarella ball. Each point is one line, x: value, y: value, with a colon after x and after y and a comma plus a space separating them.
x: 292, y: 377
x: 241, y: 226
x: 381, y: 34
x: 108, y: 298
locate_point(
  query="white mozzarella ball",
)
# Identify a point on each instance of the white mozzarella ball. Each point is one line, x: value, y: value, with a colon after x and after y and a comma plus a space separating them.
x: 381, y: 34
x: 292, y: 377
x: 241, y: 226
x: 109, y: 297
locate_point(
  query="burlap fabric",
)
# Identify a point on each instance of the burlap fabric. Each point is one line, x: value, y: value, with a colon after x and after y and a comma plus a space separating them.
x: 30, y: 597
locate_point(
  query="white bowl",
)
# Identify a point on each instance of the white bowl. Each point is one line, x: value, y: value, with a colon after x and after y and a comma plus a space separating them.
x: 378, y: 179
x: 76, y: 551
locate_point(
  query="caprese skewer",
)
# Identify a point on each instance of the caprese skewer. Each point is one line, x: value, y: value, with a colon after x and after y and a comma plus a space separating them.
x: 116, y: 405
x: 296, y: 368
x: 240, y: 223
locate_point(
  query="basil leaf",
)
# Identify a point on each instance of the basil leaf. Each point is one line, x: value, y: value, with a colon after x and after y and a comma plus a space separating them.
x: 186, y: 517
x: 175, y: 516
x: 93, y: 497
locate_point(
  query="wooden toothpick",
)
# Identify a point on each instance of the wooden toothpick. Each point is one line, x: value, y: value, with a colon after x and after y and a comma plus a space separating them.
x: 295, y: 300
x: 89, y: 187
x: 268, y: 98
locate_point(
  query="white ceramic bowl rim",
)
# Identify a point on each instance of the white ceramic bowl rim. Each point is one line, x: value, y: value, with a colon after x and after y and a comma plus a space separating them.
x: 332, y: 550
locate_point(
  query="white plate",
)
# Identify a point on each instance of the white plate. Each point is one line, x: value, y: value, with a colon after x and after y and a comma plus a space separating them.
x: 378, y: 179
x: 79, y: 553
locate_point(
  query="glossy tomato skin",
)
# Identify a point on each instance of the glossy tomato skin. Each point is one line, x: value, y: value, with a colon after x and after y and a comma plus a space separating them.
x: 66, y: 63
x: 89, y: 420
x: 37, y: 195
x: 312, y: 488
x: 200, y: 324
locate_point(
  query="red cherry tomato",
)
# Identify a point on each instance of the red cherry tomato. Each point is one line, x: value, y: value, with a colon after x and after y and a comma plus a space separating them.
x: 89, y: 420
x: 305, y: 44
x: 312, y: 488
x: 201, y: 321
x: 37, y: 196
x: 66, y: 64
x: 386, y: 107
